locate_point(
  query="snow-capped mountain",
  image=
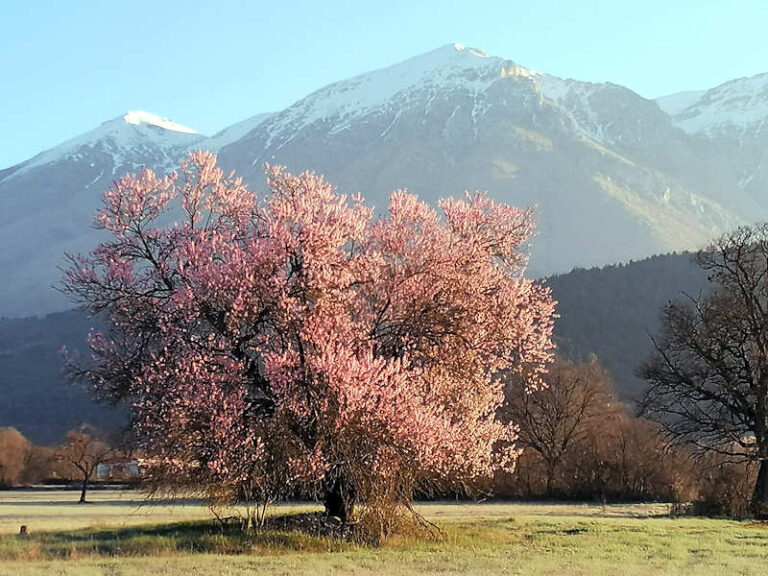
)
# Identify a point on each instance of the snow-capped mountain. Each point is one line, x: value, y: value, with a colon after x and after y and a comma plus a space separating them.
x: 134, y: 138
x: 614, y: 176
x: 47, y: 203
x: 737, y: 104
x: 731, y: 120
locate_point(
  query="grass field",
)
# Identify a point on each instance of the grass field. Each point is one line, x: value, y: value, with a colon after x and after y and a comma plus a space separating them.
x: 120, y: 533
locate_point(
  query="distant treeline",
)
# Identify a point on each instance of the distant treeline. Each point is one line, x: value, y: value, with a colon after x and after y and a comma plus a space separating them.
x: 579, y: 442
x: 36, y: 399
x: 613, y: 311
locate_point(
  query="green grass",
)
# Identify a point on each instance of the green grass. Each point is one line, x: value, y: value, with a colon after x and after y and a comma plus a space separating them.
x: 116, y: 536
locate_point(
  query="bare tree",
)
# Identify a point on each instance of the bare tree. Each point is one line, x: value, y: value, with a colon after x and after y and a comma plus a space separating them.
x: 708, y: 376
x: 562, y: 413
x: 83, y: 450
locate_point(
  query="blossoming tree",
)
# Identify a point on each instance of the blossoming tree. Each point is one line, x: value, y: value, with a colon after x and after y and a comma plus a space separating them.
x: 295, y: 339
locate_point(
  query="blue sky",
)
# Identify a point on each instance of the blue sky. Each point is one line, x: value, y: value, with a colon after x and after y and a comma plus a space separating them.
x: 68, y: 66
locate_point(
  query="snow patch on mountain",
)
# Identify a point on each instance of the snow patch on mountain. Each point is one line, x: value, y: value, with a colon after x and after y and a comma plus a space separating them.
x: 137, y: 117
x: 573, y: 97
x: 449, y: 68
x: 675, y: 103
x: 234, y: 132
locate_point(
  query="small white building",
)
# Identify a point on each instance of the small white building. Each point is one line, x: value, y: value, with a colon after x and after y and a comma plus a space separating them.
x: 119, y: 469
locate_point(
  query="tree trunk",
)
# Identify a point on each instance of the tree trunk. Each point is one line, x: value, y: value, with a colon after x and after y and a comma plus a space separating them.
x: 550, y: 478
x: 83, y: 490
x: 339, y: 497
x: 760, y: 494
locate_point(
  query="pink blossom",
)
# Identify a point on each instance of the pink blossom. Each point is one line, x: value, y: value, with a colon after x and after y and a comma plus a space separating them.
x: 264, y: 342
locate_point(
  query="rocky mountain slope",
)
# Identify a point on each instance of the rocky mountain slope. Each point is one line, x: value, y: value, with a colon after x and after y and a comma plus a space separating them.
x: 611, y: 175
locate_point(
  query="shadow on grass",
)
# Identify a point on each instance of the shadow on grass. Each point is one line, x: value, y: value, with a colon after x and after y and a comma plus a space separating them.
x: 166, y: 539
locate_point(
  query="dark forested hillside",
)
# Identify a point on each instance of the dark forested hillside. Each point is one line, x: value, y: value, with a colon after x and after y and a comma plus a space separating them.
x: 607, y: 311
x: 34, y: 397
x: 612, y: 311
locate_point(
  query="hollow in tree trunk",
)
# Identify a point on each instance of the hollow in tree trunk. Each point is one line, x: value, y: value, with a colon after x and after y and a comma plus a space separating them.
x: 339, y: 496
x: 760, y: 494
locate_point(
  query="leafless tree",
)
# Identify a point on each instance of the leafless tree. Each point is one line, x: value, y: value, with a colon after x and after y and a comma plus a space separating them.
x: 83, y: 450
x: 562, y: 413
x: 708, y: 376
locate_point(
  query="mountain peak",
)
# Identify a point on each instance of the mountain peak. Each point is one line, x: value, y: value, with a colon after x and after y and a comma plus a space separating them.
x: 134, y: 131
x: 458, y: 56
x: 445, y: 59
x: 449, y: 68
x: 137, y: 117
x: 474, y: 51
